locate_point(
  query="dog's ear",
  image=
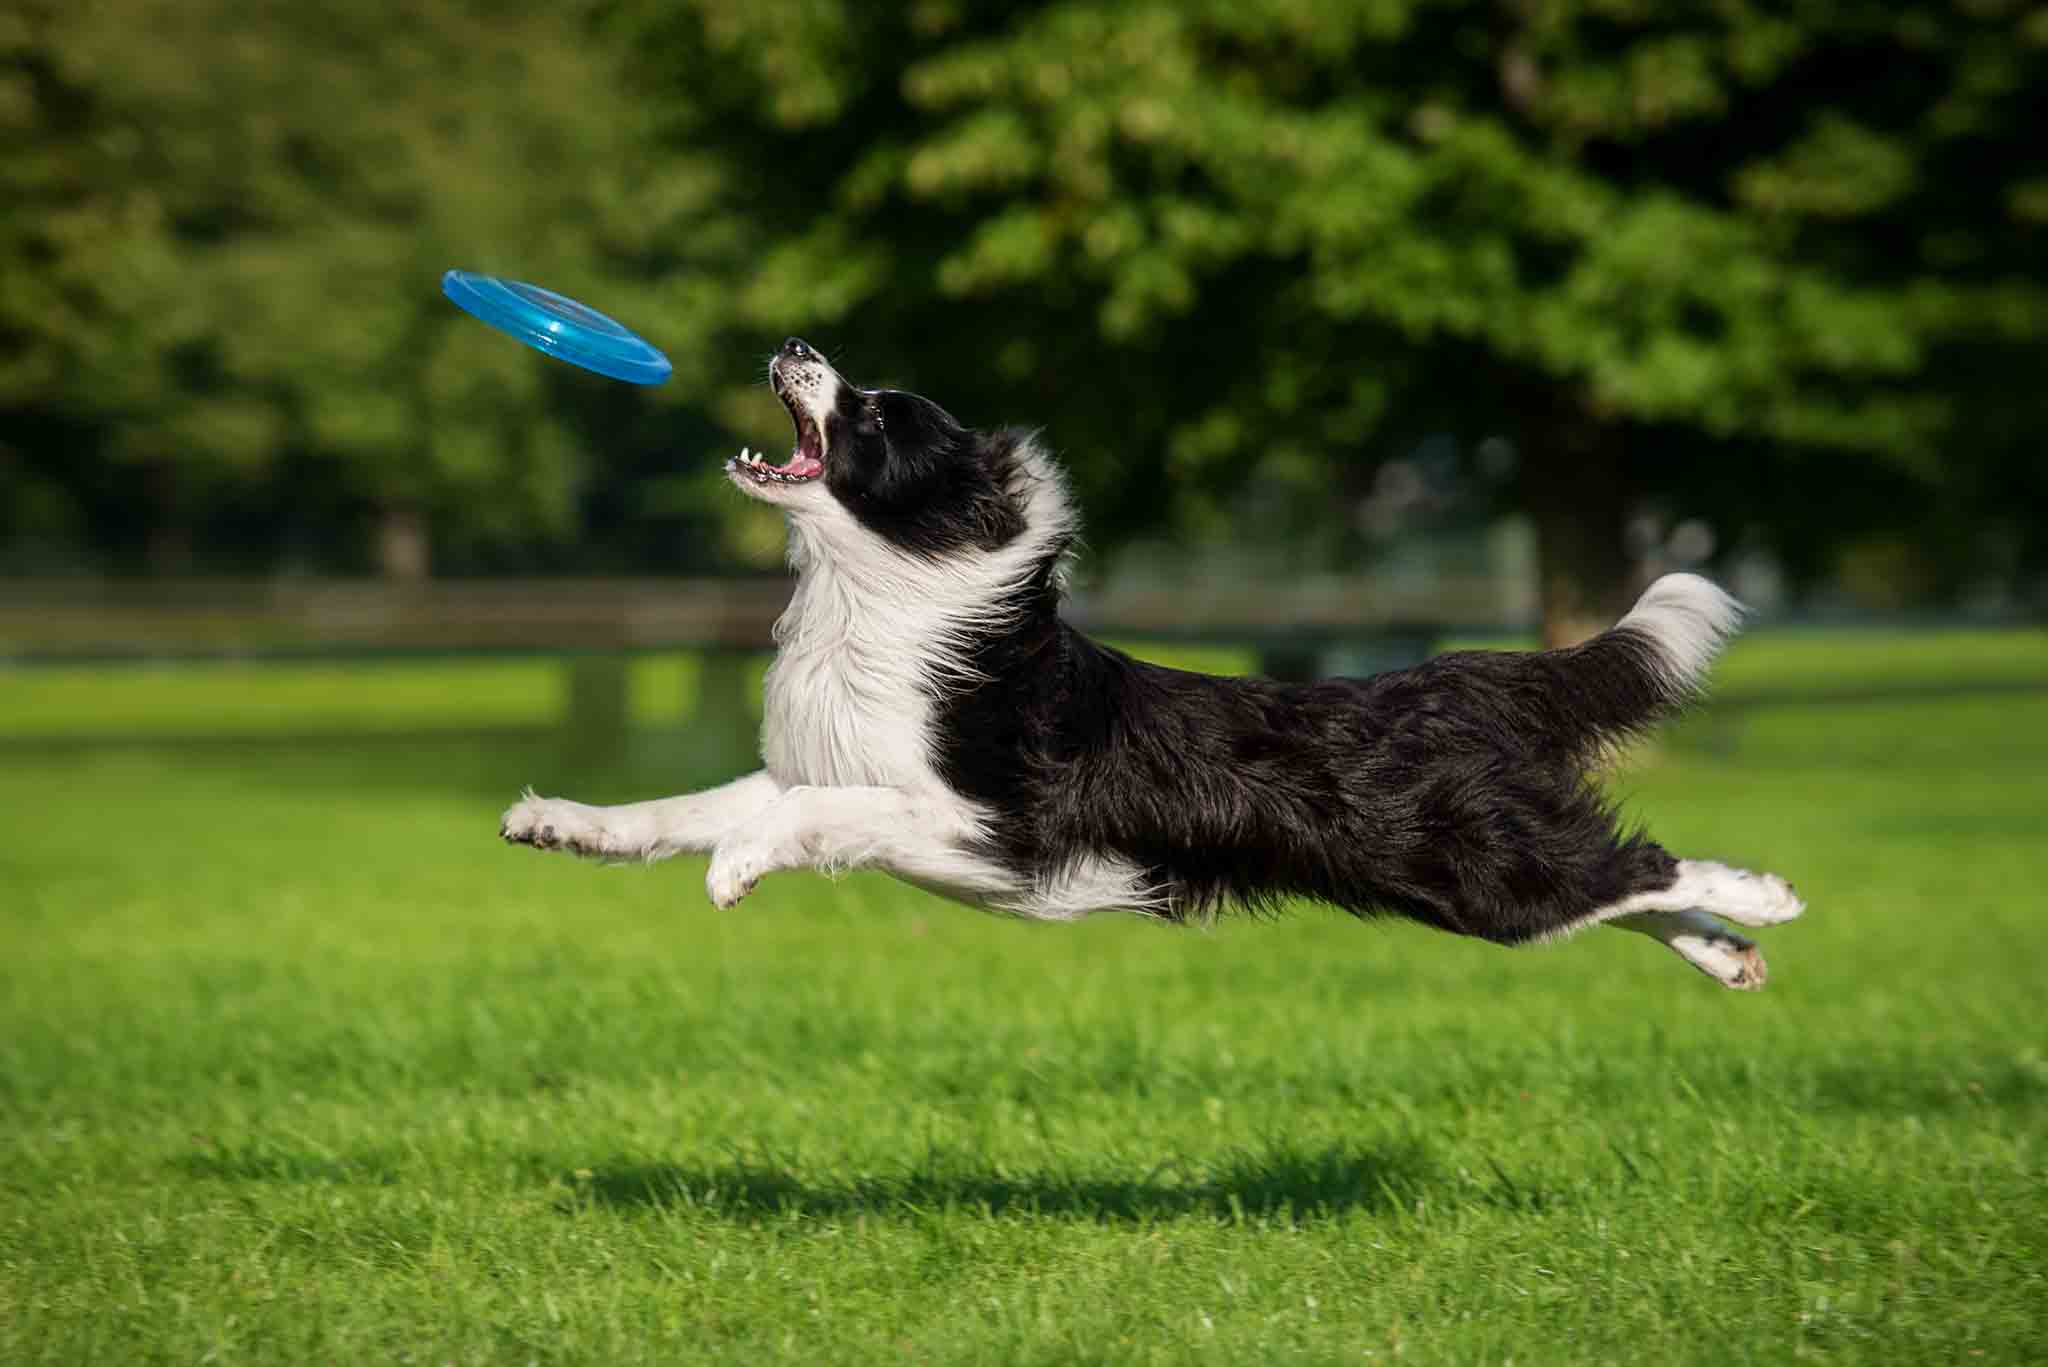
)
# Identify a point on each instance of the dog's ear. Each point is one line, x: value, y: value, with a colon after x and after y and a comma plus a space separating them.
x: 911, y: 449
x: 914, y: 427
x: 915, y: 474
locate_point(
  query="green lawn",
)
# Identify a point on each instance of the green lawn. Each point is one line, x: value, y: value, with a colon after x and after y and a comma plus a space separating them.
x: 298, y: 1064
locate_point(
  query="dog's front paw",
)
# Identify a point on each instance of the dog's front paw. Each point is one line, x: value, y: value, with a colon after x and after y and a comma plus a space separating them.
x: 735, y: 867
x: 552, y: 823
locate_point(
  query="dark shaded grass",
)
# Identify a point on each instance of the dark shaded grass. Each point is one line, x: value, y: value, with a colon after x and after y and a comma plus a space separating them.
x: 1281, y: 1181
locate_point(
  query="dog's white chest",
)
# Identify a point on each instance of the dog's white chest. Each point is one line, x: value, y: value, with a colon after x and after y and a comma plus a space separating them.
x: 847, y: 704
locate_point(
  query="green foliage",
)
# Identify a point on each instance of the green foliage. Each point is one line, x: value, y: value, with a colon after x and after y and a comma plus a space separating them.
x: 1234, y: 252
x: 228, y: 222
x: 306, y: 1066
x: 1317, y: 227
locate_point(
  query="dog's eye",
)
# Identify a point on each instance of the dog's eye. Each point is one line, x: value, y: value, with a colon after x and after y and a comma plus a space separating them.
x: 875, y: 411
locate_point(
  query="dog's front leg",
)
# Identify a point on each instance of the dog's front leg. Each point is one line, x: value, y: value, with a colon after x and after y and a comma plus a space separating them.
x: 924, y: 839
x: 639, y: 830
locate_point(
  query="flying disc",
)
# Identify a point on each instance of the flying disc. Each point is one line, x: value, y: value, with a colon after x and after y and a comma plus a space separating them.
x: 557, y: 325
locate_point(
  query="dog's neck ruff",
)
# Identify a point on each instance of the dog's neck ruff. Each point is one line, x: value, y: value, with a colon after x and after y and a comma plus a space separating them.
x: 875, y: 634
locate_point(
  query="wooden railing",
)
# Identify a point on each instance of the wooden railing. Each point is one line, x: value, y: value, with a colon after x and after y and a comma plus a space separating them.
x: 1304, y: 629
x: 77, y: 620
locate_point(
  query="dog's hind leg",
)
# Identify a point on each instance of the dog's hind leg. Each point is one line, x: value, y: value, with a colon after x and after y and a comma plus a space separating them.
x: 1677, y: 916
x: 638, y: 830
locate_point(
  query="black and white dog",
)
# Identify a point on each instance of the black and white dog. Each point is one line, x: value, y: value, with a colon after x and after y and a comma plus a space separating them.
x: 928, y: 713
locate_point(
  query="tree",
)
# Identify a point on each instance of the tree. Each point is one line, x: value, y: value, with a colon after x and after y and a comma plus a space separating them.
x: 1780, y: 269
x: 1245, y: 246
x: 226, y: 227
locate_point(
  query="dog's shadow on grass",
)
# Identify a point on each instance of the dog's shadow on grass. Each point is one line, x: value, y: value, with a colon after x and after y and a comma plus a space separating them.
x: 1284, y: 1182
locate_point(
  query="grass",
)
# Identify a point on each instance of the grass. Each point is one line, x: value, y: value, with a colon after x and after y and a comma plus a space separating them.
x: 298, y: 1064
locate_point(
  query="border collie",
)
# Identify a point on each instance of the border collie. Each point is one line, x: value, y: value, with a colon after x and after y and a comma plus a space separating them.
x: 929, y: 713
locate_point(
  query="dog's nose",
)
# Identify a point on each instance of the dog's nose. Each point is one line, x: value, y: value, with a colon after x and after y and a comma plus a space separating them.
x: 795, y: 349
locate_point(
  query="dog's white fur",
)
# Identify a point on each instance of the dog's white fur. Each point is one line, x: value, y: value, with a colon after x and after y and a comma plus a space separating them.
x: 849, y: 779
x: 1677, y: 917
x: 1690, y: 619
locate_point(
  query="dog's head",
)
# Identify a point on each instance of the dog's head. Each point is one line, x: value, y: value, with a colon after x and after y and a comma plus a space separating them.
x: 904, y: 468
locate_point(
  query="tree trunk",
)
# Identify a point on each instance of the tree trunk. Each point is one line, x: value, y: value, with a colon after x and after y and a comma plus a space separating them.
x: 168, y: 543
x: 1575, y: 485
x: 404, y: 552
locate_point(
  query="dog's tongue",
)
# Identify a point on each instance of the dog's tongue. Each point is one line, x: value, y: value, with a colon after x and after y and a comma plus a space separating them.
x: 802, y: 466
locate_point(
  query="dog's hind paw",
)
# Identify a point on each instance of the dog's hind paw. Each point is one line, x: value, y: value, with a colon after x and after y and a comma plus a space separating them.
x: 1729, y: 959
x: 1771, y: 902
x: 1741, y: 968
x: 1744, y: 897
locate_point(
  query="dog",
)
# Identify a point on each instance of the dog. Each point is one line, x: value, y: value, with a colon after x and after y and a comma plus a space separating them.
x: 929, y: 713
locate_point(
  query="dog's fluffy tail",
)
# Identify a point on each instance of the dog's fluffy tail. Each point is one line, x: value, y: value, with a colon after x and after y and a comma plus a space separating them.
x: 1685, y: 620
x: 1652, y: 662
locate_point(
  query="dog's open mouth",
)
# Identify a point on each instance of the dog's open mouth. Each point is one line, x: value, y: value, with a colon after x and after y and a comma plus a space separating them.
x: 805, y: 463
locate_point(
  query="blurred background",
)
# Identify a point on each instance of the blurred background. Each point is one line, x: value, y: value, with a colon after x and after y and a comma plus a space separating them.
x: 1364, y: 328
x: 1360, y: 326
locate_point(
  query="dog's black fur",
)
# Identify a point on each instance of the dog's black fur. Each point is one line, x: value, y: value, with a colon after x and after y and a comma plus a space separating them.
x: 1456, y: 793
x: 917, y: 478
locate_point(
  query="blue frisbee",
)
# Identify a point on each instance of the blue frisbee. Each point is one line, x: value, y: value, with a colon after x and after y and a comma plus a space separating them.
x: 557, y: 325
